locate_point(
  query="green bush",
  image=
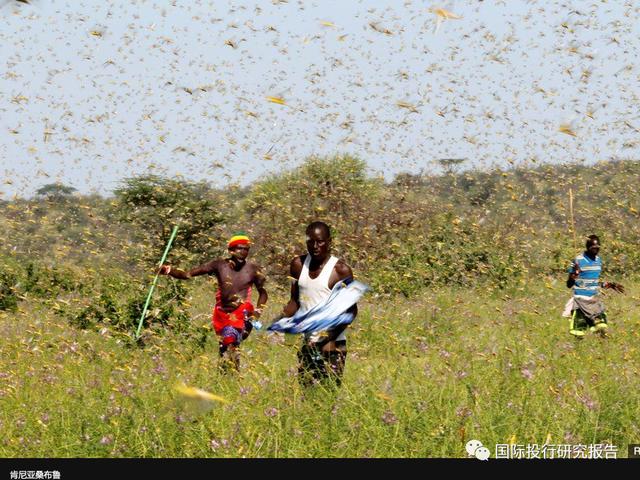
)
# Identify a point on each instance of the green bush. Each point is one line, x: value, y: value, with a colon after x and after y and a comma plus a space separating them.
x: 335, y: 190
x: 8, y: 291
x: 153, y: 205
x: 417, y: 232
x: 116, y: 305
x: 44, y: 281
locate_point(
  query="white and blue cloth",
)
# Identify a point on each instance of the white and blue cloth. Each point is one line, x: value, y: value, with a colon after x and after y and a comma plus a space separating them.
x: 326, y: 315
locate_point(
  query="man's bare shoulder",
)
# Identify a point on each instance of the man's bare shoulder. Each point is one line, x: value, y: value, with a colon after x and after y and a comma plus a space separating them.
x: 343, y: 269
x: 255, y: 267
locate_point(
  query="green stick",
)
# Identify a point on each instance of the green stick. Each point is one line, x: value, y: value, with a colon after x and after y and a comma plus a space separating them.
x: 155, y: 280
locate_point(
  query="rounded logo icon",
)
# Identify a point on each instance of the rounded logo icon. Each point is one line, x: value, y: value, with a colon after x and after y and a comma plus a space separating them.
x: 483, y: 453
x: 472, y: 446
x: 476, y: 449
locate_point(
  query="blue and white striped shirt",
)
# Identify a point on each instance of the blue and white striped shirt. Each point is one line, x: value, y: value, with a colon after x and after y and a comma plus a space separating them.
x: 588, y: 281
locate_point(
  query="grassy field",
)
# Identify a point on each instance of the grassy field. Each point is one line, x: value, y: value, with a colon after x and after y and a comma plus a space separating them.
x: 455, y: 341
x: 423, y: 377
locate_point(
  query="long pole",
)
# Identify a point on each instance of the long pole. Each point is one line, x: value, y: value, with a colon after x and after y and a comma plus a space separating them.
x: 573, y: 223
x: 155, y: 280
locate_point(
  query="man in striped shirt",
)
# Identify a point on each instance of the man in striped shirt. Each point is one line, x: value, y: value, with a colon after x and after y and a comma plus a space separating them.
x: 585, y: 308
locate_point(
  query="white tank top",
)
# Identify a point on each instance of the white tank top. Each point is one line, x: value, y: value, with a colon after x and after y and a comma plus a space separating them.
x: 313, y: 291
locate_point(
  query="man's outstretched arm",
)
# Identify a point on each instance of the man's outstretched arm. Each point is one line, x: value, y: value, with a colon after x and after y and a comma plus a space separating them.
x: 206, y: 268
x: 613, y: 286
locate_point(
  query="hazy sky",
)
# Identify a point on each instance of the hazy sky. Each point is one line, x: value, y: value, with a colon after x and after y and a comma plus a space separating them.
x: 92, y: 92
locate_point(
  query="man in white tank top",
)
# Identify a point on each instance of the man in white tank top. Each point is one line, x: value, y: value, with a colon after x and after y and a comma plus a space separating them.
x: 323, y: 354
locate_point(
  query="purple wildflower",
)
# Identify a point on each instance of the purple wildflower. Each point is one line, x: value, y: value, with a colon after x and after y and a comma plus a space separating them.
x: 271, y: 412
x: 389, y: 418
x: 526, y: 373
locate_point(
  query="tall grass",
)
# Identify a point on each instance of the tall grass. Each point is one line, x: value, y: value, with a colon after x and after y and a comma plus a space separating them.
x: 460, y: 338
x: 422, y: 378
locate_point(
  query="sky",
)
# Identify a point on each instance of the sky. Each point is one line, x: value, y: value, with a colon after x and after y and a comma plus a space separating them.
x: 93, y: 92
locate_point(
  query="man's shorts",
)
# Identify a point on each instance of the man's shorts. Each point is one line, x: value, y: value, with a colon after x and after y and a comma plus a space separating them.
x: 579, y: 324
x: 233, y: 335
x: 237, y: 319
x: 315, y: 364
x: 230, y: 336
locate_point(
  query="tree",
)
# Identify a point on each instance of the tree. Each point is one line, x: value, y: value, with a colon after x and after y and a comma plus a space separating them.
x: 155, y: 204
x: 450, y: 165
x: 336, y: 190
x: 55, y: 192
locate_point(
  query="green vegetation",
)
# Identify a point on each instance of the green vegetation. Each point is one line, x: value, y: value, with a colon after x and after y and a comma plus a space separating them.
x: 460, y: 338
x: 423, y: 377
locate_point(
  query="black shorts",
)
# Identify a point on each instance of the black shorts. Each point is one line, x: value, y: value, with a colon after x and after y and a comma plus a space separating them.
x: 316, y: 364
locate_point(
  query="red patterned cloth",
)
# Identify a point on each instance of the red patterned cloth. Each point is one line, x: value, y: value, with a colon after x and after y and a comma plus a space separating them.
x: 236, y: 319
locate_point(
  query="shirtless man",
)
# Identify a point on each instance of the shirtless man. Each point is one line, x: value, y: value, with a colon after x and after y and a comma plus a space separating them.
x: 323, y: 354
x: 233, y: 309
